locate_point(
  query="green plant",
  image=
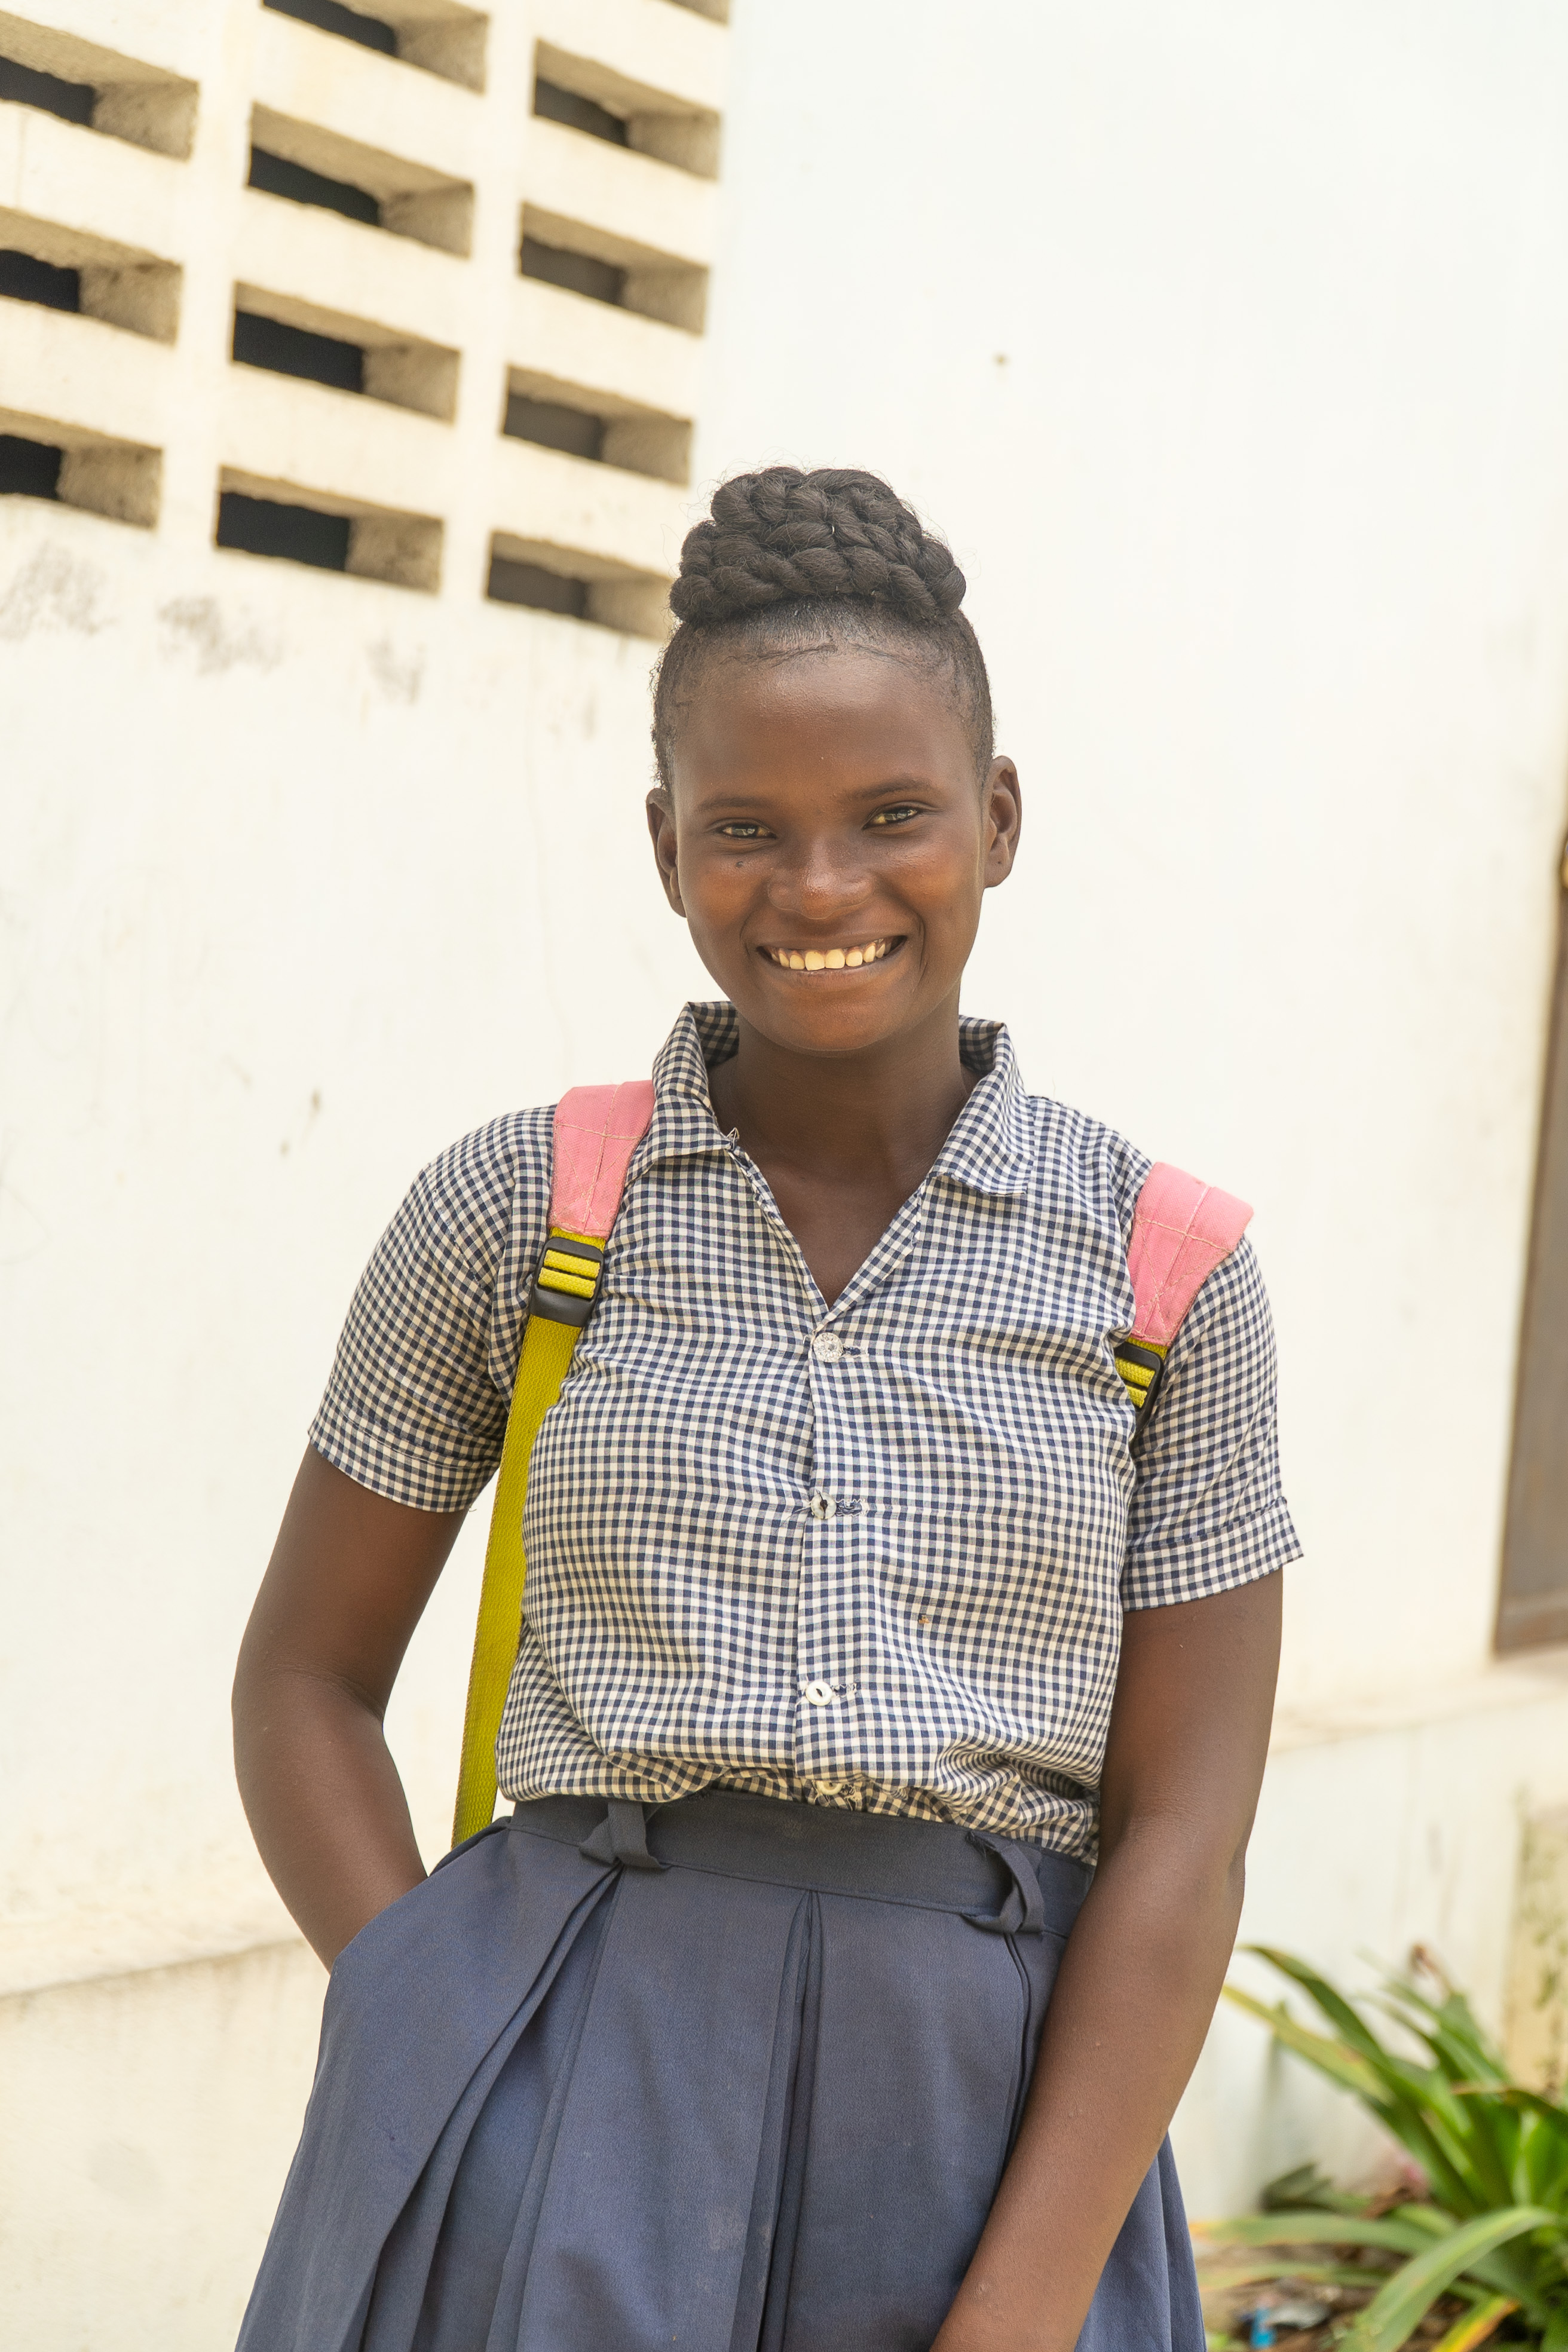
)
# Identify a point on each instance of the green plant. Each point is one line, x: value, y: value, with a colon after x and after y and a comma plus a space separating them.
x: 1492, y: 2228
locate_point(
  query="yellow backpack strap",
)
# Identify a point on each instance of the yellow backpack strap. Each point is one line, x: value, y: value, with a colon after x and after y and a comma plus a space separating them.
x: 598, y: 1129
x: 1182, y: 1228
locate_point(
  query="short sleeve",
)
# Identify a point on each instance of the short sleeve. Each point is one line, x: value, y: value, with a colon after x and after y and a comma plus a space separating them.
x: 1207, y: 1512
x: 415, y: 1407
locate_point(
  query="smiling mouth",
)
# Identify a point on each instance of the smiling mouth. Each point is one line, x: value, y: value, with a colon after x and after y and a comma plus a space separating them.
x: 850, y: 958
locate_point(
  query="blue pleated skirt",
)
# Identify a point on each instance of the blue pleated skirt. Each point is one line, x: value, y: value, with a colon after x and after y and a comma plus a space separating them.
x: 738, y: 2076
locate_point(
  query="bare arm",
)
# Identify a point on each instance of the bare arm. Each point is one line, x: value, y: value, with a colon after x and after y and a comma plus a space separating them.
x: 347, y: 1584
x: 1142, y: 1969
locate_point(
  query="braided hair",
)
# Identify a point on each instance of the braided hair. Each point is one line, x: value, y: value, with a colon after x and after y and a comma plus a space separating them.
x: 789, y: 560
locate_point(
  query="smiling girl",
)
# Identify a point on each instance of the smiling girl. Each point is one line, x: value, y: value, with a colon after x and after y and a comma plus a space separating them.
x: 886, y: 1725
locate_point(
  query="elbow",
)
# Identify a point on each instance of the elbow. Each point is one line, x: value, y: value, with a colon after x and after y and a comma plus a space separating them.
x: 241, y: 1690
x: 250, y: 1677
x: 1194, y: 1865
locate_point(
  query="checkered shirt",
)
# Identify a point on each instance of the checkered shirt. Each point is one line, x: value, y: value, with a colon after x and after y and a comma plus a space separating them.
x: 872, y: 1555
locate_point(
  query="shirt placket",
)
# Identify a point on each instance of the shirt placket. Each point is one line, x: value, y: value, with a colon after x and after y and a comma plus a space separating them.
x: 835, y: 1741
x: 830, y: 1746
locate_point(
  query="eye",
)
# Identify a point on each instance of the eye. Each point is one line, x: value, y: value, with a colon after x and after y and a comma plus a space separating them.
x: 899, y: 813
x: 741, y: 829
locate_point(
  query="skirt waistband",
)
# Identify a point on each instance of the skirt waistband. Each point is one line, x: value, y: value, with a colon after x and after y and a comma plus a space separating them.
x: 999, y: 1882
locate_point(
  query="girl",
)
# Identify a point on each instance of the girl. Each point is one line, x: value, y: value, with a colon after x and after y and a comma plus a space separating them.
x: 885, y: 1731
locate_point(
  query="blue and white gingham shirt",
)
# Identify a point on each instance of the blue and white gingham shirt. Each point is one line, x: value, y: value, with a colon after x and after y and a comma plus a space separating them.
x: 871, y: 1554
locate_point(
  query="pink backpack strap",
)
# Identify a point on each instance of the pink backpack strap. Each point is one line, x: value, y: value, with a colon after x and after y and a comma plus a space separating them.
x: 1182, y: 1228
x: 598, y: 1129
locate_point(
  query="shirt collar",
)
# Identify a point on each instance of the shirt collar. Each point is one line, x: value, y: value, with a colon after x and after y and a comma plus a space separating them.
x: 988, y: 1148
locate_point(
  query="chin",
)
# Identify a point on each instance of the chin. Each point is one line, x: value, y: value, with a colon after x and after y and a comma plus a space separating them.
x: 822, y: 1029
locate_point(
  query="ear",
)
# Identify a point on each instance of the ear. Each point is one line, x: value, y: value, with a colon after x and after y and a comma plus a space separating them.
x: 1004, y: 810
x: 666, y: 851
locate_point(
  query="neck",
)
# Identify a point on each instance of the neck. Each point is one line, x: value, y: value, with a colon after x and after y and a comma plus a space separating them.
x: 885, y: 1110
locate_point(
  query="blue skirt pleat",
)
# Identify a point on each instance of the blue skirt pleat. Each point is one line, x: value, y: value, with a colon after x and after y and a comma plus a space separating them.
x: 564, y: 2106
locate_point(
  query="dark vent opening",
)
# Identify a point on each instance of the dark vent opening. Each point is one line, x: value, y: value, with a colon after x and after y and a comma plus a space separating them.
x: 551, y: 425
x: 558, y: 105
x: 330, y: 16
x: 27, y: 279
x: 295, y: 534
x: 73, y: 101
x: 276, y: 177
x: 294, y: 350
x: 579, y: 273
x: 532, y: 584
x: 28, y: 469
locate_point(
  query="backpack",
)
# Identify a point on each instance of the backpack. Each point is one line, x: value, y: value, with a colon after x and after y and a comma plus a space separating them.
x: 1180, y: 1231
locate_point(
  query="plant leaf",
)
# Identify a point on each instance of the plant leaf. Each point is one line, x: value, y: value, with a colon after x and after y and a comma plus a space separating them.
x: 1351, y: 2026
x: 1305, y: 2186
x: 1401, y: 2095
x: 1427, y: 2219
x: 1450, y: 2029
x: 1223, y: 2277
x: 1400, y: 2306
x: 1551, y: 2112
x: 1395, y: 2234
x: 1477, y: 2325
x: 1331, y: 2058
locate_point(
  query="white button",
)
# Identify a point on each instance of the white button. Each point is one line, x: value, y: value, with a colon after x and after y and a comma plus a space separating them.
x: 820, y: 1694
x: 828, y: 1787
x: 827, y: 1347
x: 820, y: 1506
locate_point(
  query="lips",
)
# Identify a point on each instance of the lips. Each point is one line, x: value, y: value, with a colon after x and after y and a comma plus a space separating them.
x: 853, y: 957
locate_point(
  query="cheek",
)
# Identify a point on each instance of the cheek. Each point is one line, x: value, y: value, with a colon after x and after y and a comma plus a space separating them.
x: 716, y: 887
x: 945, y: 870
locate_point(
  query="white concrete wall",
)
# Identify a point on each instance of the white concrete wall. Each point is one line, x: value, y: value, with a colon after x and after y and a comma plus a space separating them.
x: 1232, y: 350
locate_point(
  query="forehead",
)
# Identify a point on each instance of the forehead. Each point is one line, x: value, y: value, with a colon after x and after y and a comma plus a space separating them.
x: 854, y: 713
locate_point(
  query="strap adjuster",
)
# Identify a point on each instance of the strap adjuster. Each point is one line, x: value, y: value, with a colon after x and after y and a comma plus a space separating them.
x: 1140, y: 1363
x: 568, y: 1278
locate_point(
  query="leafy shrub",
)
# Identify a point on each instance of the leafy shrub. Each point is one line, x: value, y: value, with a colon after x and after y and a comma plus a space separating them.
x: 1492, y: 2226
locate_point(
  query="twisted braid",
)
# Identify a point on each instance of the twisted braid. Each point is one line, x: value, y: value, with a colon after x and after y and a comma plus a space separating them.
x: 782, y: 535
x: 787, y: 557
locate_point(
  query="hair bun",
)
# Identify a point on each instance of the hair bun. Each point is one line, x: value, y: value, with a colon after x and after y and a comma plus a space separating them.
x: 782, y: 534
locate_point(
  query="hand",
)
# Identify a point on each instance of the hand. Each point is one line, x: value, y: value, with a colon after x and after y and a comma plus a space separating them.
x: 1144, y: 1966
x: 348, y: 1581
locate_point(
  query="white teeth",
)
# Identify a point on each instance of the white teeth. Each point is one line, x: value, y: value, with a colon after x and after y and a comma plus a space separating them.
x: 829, y: 959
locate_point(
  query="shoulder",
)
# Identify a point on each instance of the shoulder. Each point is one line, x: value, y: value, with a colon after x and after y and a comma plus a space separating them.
x: 415, y: 1406
x: 1087, y: 1179
x: 487, y: 1191
x: 1079, y: 1161
x: 1230, y: 1325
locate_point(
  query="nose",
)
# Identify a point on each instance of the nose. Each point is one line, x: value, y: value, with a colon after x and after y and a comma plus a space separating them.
x: 824, y: 880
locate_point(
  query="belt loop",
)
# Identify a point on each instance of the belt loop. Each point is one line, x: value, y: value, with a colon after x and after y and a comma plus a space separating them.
x: 1023, y: 1912
x: 621, y: 1838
